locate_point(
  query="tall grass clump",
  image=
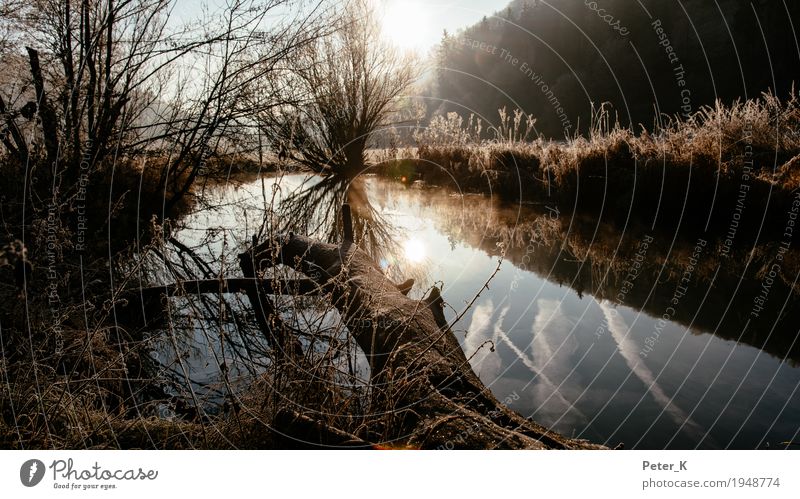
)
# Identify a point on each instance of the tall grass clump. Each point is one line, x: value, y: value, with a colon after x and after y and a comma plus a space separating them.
x: 694, y: 165
x: 450, y: 150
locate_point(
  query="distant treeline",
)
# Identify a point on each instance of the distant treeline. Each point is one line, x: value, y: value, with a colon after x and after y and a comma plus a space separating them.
x: 554, y: 58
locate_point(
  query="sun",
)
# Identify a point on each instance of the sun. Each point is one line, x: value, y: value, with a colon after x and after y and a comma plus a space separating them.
x: 415, y: 250
x: 403, y: 23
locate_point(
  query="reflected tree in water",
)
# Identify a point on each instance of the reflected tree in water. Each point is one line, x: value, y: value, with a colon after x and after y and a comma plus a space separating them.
x: 349, y: 87
x: 315, y: 207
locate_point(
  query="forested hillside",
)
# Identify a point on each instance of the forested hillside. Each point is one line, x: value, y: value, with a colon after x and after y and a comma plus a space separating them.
x: 554, y: 58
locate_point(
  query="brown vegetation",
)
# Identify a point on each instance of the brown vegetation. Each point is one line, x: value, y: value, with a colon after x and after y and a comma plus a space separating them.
x: 695, y: 166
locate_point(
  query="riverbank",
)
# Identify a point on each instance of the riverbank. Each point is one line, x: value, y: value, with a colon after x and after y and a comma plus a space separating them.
x: 727, y: 168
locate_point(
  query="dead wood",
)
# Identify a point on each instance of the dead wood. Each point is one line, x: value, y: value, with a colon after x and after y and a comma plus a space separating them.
x: 425, y: 389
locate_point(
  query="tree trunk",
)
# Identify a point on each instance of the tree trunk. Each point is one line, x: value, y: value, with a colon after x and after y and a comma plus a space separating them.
x: 46, y: 113
x: 424, y: 384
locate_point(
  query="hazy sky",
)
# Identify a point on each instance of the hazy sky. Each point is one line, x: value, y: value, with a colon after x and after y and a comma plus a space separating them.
x: 420, y: 23
x: 414, y: 24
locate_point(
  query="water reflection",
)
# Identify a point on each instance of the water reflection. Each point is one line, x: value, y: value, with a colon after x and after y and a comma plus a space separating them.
x: 414, y: 250
x: 613, y: 335
x: 651, y: 339
x: 720, y: 295
x: 314, y: 207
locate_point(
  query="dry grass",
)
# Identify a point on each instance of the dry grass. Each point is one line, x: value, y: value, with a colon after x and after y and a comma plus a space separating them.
x: 682, y: 166
x: 88, y: 379
x: 88, y: 376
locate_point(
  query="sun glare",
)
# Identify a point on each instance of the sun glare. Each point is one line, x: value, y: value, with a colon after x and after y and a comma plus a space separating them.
x: 403, y: 23
x: 415, y: 250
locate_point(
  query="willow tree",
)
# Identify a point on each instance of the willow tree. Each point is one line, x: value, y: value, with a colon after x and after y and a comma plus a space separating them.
x: 349, y: 84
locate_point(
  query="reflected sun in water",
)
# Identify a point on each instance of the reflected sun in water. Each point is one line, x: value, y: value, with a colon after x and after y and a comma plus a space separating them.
x: 415, y: 250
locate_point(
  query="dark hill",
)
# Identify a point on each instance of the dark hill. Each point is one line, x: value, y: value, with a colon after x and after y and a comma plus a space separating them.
x: 544, y: 55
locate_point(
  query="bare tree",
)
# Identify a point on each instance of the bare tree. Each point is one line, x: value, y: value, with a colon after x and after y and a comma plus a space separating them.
x: 350, y: 84
x: 123, y: 78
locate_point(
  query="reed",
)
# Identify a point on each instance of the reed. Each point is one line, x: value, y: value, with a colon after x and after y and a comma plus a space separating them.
x: 696, y: 165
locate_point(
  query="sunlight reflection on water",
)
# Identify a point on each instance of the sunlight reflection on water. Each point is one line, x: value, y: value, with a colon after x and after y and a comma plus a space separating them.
x: 549, y: 338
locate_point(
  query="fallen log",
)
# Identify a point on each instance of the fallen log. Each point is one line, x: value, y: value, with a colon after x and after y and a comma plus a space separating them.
x: 426, y: 394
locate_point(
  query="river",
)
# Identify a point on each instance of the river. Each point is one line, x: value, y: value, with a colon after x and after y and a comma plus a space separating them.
x: 618, y: 335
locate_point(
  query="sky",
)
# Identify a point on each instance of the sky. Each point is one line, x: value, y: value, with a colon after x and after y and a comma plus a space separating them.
x: 411, y: 24
x: 419, y: 24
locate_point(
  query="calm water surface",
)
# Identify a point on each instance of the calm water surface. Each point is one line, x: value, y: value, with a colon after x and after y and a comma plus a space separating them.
x: 614, y: 336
